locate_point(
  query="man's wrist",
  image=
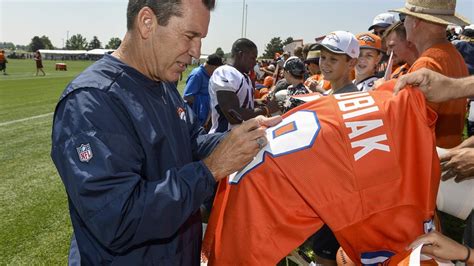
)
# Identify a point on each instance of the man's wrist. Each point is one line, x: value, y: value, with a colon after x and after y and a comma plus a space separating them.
x: 469, y: 260
x: 216, y: 174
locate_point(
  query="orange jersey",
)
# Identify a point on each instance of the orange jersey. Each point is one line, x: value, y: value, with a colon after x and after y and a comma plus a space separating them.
x: 2, y: 57
x: 364, y: 163
x: 445, y: 59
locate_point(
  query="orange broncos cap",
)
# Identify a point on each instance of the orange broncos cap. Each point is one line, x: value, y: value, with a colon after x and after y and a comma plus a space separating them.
x: 369, y: 40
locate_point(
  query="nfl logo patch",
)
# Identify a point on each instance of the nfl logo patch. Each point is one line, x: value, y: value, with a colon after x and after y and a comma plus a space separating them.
x: 181, y: 114
x: 84, y: 152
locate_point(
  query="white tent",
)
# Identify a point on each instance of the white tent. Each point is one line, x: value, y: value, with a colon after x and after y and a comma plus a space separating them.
x: 63, y: 52
x: 74, y: 54
x: 99, y: 51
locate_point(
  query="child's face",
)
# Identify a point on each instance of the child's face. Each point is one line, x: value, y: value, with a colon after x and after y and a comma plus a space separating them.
x: 367, y: 62
x: 334, y: 66
x: 313, y: 68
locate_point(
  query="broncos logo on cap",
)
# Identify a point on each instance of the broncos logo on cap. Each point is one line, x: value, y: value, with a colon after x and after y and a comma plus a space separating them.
x: 334, y: 37
x: 366, y: 38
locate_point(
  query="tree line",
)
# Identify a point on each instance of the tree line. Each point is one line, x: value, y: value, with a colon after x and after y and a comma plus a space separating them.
x: 76, y: 42
x: 275, y: 45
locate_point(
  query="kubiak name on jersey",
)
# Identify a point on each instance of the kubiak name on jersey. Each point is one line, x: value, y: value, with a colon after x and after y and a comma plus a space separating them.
x: 363, y: 163
x: 355, y: 106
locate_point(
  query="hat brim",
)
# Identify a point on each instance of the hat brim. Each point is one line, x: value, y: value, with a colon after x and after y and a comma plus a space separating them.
x: 312, y: 60
x: 456, y: 19
x: 370, y: 47
x: 382, y: 25
x: 331, y: 48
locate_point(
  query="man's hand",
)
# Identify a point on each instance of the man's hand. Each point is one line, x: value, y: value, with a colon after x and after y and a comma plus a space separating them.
x: 240, y: 146
x: 378, y: 83
x: 458, y: 163
x: 436, y: 87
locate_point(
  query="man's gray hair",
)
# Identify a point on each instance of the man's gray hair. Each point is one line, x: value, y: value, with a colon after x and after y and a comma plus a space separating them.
x: 164, y: 9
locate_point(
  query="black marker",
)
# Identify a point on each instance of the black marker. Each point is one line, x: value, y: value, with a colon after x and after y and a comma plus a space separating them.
x: 236, y: 116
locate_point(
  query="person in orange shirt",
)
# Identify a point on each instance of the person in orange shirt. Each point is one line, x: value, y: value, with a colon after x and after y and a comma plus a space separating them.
x: 427, y: 31
x: 404, y: 52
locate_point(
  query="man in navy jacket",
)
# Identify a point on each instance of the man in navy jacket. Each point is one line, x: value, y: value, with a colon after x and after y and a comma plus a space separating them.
x: 135, y: 163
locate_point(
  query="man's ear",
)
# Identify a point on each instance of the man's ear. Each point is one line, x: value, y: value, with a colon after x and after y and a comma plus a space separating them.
x: 145, y: 22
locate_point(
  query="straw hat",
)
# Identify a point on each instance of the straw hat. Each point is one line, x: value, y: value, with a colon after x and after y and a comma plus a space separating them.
x: 436, y: 11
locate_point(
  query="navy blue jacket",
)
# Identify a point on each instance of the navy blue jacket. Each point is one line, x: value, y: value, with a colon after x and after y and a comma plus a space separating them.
x: 128, y: 152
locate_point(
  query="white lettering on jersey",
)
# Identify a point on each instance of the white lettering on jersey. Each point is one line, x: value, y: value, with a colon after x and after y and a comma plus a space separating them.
x: 360, y: 127
x: 355, y: 105
x: 295, y: 133
x: 369, y: 145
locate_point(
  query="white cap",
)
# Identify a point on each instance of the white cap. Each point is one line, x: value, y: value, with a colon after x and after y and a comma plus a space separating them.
x: 341, y: 42
x: 383, y: 20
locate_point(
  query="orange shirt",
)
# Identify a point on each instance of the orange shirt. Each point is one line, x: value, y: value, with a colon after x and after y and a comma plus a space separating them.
x: 2, y: 57
x: 400, y: 71
x: 445, y: 59
x: 376, y: 190
x: 318, y: 78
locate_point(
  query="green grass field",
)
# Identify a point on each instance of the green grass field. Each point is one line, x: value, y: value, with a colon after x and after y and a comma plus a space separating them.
x: 35, y: 225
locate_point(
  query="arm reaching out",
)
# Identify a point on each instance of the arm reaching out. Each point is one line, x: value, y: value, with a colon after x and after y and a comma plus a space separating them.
x: 436, y: 87
x: 441, y: 247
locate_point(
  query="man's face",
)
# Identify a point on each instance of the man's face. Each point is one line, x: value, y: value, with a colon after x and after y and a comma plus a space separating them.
x: 379, y: 31
x: 174, y: 45
x: 334, y: 66
x: 398, y: 46
x: 313, y: 68
x: 367, y: 62
x: 247, y: 59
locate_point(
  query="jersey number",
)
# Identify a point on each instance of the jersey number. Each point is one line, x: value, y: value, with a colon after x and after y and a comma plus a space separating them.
x: 296, y: 132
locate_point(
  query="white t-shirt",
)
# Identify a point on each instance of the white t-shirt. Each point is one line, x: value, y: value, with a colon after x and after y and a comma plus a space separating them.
x: 228, y: 78
x: 366, y: 84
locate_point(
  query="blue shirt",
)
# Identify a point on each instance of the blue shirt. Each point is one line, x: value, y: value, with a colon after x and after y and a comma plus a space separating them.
x: 467, y: 51
x: 129, y: 154
x: 197, y: 85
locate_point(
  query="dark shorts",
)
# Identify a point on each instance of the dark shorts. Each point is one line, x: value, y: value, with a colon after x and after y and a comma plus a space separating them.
x: 325, y: 244
x: 3, y: 66
x: 39, y: 64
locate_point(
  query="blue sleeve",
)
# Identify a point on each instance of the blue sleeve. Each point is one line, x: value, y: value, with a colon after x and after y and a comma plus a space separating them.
x: 202, y: 143
x: 117, y: 205
x: 201, y: 107
x: 193, y: 84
